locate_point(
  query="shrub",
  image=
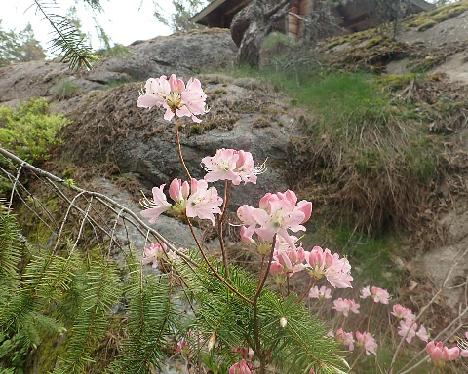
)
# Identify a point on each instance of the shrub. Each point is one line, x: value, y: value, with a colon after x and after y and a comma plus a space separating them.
x: 30, y: 130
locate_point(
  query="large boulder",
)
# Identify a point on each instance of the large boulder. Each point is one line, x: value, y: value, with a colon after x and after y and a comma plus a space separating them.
x: 108, y: 127
x: 183, y: 53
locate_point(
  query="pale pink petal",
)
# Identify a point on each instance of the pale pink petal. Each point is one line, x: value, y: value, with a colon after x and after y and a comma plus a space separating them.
x: 152, y: 214
x: 169, y: 115
x: 147, y: 101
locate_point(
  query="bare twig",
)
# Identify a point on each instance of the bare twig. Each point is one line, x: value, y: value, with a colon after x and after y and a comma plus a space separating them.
x: 423, y: 310
x: 14, y: 186
x: 220, y: 228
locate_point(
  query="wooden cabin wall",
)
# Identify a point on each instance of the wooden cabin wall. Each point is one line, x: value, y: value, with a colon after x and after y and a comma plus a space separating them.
x: 295, y: 25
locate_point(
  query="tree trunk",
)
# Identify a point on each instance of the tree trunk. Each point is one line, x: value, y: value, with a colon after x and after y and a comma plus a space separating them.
x: 262, y: 16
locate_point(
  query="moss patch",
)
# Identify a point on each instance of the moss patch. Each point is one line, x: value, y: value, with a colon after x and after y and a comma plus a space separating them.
x: 30, y: 130
x: 428, y: 20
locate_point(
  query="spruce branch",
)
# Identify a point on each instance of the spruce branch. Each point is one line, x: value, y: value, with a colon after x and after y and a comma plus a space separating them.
x: 67, y: 40
x: 150, y: 313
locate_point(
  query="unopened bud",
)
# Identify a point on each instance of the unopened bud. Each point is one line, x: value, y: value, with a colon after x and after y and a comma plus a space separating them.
x: 211, y: 342
x: 283, y: 322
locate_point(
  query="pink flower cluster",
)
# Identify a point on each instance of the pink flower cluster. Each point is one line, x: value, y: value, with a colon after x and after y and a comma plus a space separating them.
x: 173, y: 95
x: 153, y: 253
x: 378, y: 295
x: 439, y: 353
x: 320, y: 293
x: 231, y: 165
x: 277, y: 214
x: 344, y: 306
x: 345, y: 338
x: 196, y: 200
x: 367, y: 341
x: 322, y: 263
x: 363, y: 339
x: 408, y: 327
x: 241, y: 367
x: 287, y: 260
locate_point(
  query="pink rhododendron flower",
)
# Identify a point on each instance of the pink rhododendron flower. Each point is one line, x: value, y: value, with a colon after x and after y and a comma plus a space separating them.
x: 181, y: 344
x: 422, y: 334
x: 232, y: 165
x: 345, y: 338
x: 345, y: 306
x: 320, y: 293
x: 179, y: 191
x: 277, y: 214
x: 203, y: 202
x: 365, y: 292
x: 153, y: 253
x: 378, y: 295
x: 241, y: 367
x: 172, y: 94
x: 322, y: 263
x: 366, y: 341
x: 439, y: 353
x: 196, y: 200
x: 401, y: 312
x: 287, y: 261
x: 246, y: 168
x: 407, y: 329
x: 155, y: 207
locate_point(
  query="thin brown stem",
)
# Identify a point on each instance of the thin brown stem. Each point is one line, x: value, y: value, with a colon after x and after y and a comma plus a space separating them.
x: 213, y: 270
x: 370, y: 316
x: 307, y: 290
x: 258, y: 347
x: 179, y: 153
x: 220, y: 228
x: 267, y: 270
x: 356, y: 361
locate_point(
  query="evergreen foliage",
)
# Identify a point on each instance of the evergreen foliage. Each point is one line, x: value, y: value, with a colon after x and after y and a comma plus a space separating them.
x: 68, y: 41
x: 67, y: 301
x: 100, y: 293
x: 149, y: 322
x: 296, y: 348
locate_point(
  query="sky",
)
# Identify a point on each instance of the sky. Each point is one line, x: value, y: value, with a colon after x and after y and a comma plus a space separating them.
x: 123, y: 20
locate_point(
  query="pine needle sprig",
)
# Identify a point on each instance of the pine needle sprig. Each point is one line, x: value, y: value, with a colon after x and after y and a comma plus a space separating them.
x: 100, y: 294
x: 149, y: 319
x: 296, y: 348
x: 67, y: 40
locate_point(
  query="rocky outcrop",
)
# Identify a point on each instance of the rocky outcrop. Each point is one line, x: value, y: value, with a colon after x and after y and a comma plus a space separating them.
x: 184, y: 53
x: 243, y: 116
x: 446, y: 264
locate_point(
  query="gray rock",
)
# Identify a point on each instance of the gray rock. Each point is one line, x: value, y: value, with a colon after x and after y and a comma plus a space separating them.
x: 182, y: 53
x: 112, y: 128
x: 170, y: 228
